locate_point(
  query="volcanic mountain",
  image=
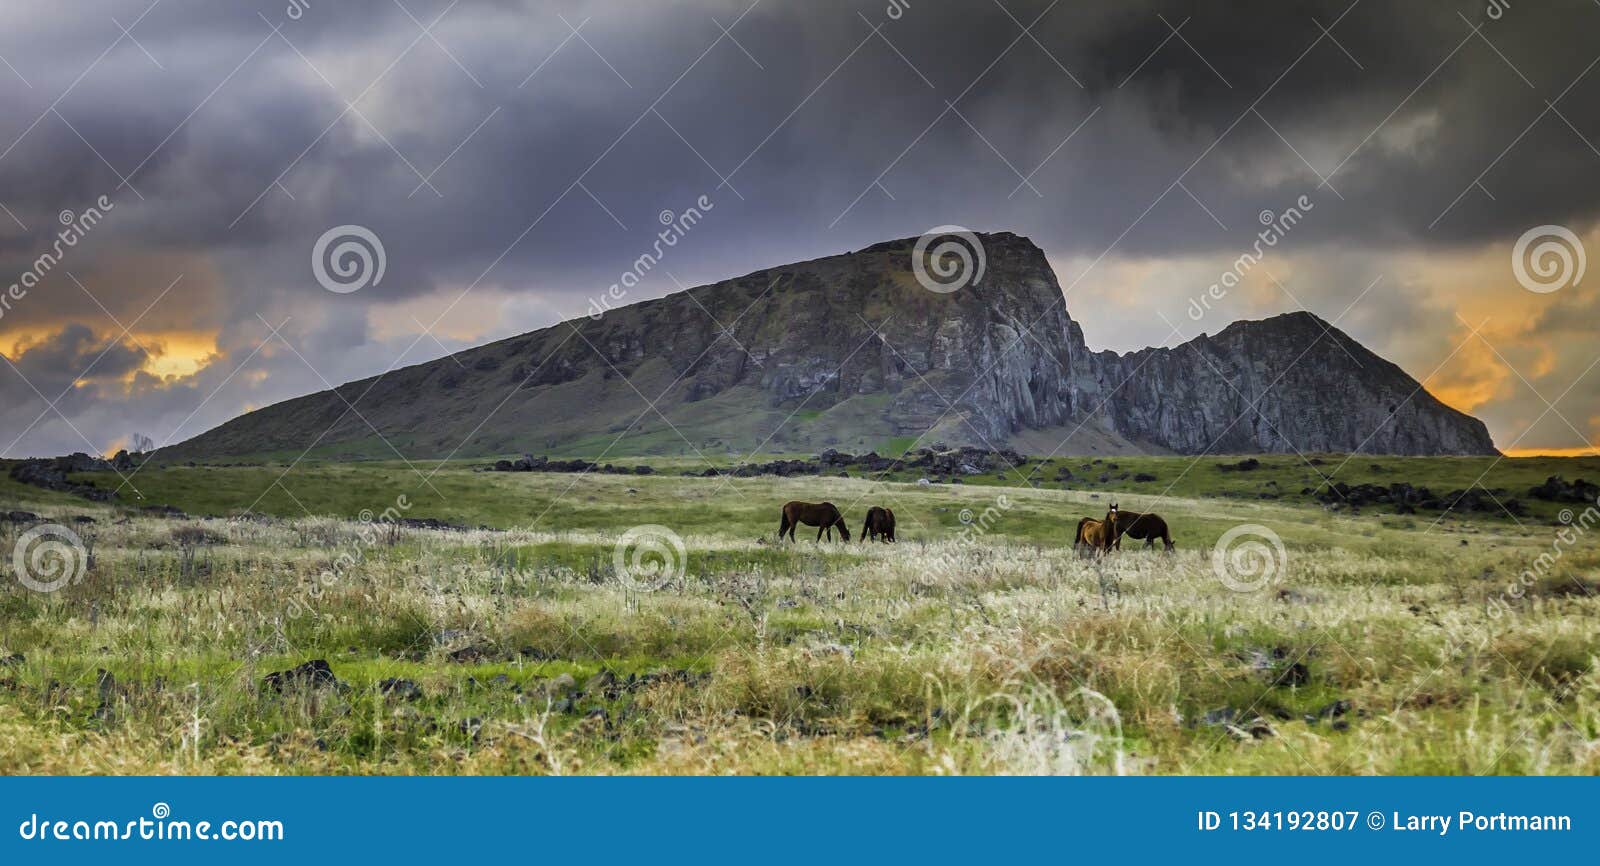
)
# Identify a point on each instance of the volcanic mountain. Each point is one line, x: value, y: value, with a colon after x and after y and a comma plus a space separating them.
x: 852, y: 352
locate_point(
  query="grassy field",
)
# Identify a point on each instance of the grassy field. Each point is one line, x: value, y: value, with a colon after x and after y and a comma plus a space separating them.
x: 548, y: 638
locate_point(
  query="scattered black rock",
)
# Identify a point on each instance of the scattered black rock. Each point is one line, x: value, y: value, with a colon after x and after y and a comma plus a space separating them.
x: 1295, y: 675
x: 19, y: 516
x: 316, y: 673
x: 1406, y: 498
x: 1143, y: 477
x: 405, y: 690
x: 12, y: 660
x: 1557, y: 489
x: 470, y: 654
x: 603, y: 684
x: 934, y: 461
x: 1335, y: 710
x: 1260, y: 729
x: 430, y: 523
x: 50, y: 473
x: 163, y: 511
x: 529, y: 463
x: 1248, y: 464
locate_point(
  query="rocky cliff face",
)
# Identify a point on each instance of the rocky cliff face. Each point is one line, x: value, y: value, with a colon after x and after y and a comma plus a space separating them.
x: 851, y: 351
x: 1289, y: 383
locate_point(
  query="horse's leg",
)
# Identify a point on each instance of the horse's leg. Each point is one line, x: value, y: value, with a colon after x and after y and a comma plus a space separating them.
x: 820, y: 530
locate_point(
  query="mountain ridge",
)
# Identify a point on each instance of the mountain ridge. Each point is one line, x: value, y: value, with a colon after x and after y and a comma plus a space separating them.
x: 851, y: 351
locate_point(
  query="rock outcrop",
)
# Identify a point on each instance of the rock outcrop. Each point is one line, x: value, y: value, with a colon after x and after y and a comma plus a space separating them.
x: 851, y: 351
x: 1289, y: 383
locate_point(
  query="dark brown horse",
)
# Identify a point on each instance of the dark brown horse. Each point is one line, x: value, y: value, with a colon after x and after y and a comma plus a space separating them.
x: 879, y: 525
x: 823, y: 515
x: 1095, y: 537
x: 1143, y: 525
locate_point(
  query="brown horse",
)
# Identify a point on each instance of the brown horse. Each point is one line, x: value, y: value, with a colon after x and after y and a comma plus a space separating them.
x: 1143, y: 525
x: 879, y: 525
x: 823, y: 515
x: 1095, y: 537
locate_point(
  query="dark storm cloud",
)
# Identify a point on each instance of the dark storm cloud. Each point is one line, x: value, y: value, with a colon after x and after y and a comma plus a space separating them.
x: 240, y: 147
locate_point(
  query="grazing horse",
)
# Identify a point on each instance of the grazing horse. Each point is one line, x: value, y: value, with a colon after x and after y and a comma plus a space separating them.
x: 823, y: 515
x: 879, y: 525
x: 1095, y: 537
x: 1143, y: 525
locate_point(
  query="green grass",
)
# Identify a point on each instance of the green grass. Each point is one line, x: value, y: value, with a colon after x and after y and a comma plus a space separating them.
x: 952, y: 651
x: 504, y: 500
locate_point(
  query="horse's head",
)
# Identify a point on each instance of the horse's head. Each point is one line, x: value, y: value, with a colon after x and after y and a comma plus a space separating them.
x: 1111, y: 515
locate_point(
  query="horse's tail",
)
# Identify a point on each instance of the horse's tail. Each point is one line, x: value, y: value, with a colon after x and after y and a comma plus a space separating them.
x: 1078, y: 539
x: 783, y: 524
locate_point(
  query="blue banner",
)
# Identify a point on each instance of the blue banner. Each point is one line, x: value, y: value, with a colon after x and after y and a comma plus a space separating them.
x: 247, y: 820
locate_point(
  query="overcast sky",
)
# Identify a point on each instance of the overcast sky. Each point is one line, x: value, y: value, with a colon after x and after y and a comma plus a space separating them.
x: 513, y: 159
